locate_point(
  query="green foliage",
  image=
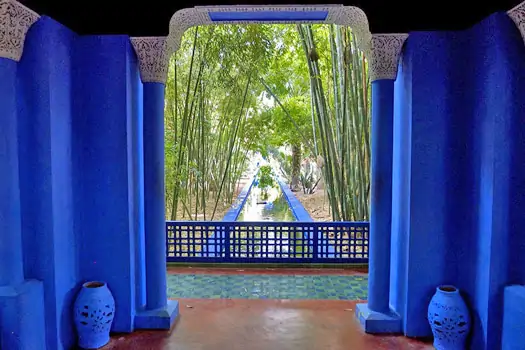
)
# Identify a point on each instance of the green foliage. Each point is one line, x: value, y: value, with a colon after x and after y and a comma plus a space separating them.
x: 308, y: 178
x: 287, y: 121
x: 284, y: 161
x: 209, y: 97
x: 237, y: 89
x: 340, y: 95
x: 265, y: 178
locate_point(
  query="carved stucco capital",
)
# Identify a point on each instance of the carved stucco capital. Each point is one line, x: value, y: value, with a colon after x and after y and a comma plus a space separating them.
x: 153, y: 58
x: 517, y: 14
x: 15, y: 21
x: 384, y: 55
x: 350, y: 16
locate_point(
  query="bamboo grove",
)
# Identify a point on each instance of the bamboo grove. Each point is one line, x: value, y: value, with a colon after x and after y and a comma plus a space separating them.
x: 236, y: 90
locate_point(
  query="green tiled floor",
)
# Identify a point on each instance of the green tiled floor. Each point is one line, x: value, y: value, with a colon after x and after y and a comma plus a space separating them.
x: 267, y: 286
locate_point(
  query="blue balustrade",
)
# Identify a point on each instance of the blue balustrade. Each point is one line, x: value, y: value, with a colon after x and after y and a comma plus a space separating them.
x: 267, y: 242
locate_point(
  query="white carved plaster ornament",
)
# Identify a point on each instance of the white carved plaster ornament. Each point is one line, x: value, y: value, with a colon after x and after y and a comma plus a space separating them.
x: 15, y: 21
x: 153, y: 58
x: 517, y: 14
x: 382, y: 49
x: 384, y: 55
x: 350, y: 16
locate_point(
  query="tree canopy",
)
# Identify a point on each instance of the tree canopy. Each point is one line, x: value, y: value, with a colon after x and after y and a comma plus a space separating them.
x: 234, y: 90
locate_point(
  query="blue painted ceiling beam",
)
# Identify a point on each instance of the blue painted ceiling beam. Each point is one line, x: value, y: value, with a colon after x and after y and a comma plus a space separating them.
x: 268, y: 16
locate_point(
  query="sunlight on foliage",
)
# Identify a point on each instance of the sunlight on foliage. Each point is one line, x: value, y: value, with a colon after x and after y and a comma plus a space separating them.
x: 234, y: 90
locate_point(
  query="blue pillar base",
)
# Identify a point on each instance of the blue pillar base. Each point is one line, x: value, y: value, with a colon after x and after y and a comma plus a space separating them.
x: 158, y: 319
x: 376, y: 322
x: 22, y: 316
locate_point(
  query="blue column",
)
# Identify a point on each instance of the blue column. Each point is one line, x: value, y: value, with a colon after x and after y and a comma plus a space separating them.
x: 381, y: 195
x: 159, y: 312
x: 154, y: 203
x: 376, y: 317
x: 11, y: 260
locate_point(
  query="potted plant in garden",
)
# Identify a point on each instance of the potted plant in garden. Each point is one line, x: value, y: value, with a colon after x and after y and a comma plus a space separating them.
x: 265, y: 180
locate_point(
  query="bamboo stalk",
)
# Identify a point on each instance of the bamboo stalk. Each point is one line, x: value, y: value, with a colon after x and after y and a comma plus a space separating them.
x: 229, y: 156
x: 341, y: 122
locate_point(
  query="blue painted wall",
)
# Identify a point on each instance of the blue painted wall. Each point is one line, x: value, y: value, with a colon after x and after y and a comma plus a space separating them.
x: 81, y: 173
x: 514, y: 318
x: 500, y: 83
x: 401, y: 187
x: 11, y: 270
x: 77, y: 102
x: 45, y: 115
x: 107, y: 201
x: 459, y: 156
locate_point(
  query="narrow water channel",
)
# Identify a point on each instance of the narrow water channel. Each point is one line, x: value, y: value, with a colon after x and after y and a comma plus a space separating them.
x: 274, y: 208
x: 271, y: 241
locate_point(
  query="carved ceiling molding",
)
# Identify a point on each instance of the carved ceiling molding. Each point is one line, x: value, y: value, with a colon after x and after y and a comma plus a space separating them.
x: 15, y: 21
x: 384, y: 55
x: 517, y: 14
x: 350, y: 16
x: 153, y: 58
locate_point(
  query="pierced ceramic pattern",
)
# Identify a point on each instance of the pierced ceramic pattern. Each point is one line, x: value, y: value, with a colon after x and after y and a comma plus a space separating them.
x: 449, y: 319
x: 94, y: 311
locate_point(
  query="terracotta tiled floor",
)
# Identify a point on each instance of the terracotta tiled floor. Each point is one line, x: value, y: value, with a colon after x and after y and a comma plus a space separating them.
x: 264, y: 324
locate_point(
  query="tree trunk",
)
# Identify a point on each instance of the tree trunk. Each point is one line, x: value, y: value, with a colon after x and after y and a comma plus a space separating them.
x: 296, y: 167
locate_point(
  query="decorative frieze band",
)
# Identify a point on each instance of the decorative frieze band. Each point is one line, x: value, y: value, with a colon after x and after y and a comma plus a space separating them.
x: 350, y: 16
x: 384, y: 55
x: 517, y: 14
x: 153, y: 58
x: 15, y: 21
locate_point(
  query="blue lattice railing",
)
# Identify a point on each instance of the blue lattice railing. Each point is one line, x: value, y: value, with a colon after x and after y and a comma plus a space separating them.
x: 267, y: 242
